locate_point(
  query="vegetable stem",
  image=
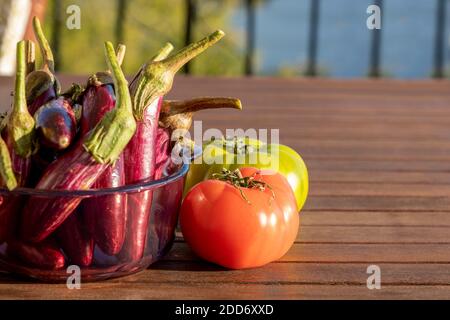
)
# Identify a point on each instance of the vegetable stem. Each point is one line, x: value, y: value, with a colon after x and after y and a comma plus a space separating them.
x: 121, y: 49
x: 42, y: 82
x: 30, y: 52
x: 175, y: 62
x: 156, y: 78
x: 20, y: 103
x: 21, y: 124
x: 49, y: 62
x: 173, y: 107
x: 178, y: 114
x: 236, y: 179
x: 163, y: 52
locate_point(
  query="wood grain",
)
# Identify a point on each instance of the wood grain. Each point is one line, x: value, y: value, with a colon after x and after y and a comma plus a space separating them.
x: 348, y: 253
x: 378, y: 153
x: 375, y: 218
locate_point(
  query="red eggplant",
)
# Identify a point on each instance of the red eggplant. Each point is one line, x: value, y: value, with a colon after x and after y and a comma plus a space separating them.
x: 165, y: 204
x: 104, y: 216
x: 55, y: 119
x: 8, y: 204
x: 98, y: 99
x: 17, y: 148
x: 43, y: 256
x: 8, y: 217
x: 20, y: 127
x: 147, y: 89
x: 41, y: 85
x: 46, y: 155
x: 80, y: 167
x: 176, y: 119
x: 75, y: 170
x: 56, y: 124
x: 76, y: 241
x: 136, y: 227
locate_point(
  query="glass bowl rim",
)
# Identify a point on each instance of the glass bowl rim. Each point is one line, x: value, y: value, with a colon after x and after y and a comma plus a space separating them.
x: 130, y: 188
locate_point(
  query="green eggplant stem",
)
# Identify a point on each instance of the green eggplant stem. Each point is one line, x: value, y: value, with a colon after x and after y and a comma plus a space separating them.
x: 49, y: 62
x: 30, y: 53
x: 178, y: 60
x: 6, y: 170
x: 19, y: 87
x: 163, y: 52
x: 178, y: 114
x: 156, y: 78
x: 39, y: 81
x: 121, y: 49
x: 111, y: 135
x: 139, y: 84
x: 104, y: 77
x: 20, y: 123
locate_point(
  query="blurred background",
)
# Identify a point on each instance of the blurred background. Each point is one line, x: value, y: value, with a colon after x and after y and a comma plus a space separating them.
x: 265, y: 37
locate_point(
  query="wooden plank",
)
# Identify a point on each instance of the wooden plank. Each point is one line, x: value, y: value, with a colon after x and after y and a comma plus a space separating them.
x: 222, y: 291
x: 276, y: 273
x: 370, y: 150
x: 279, y: 87
x: 385, y: 189
x: 336, y: 119
x: 319, y: 105
x: 374, y: 234
x: 292, y: 128
x: 339, y: 120
x: 378, y: 203
x: 380, y: 177
x: 370, y: 154
x: 412, y: 166
x: 352, y: 233
x: 374, y: 218
x: 347, y: 253
x: 299, y: 273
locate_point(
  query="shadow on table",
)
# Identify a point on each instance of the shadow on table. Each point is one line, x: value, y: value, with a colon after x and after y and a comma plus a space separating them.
x: 8, y: 278
x: 193, y: 266
x: 186, y: 266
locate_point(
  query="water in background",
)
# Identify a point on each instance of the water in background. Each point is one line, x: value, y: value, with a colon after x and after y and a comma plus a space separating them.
x: 408, y: 30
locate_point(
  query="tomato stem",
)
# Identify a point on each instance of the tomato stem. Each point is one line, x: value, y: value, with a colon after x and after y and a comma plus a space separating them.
x: 238, y: 181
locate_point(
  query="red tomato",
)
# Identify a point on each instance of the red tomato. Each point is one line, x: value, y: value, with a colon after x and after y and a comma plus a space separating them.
x: 222, y: 227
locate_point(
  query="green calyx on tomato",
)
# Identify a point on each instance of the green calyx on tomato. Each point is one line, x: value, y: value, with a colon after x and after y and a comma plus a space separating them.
x: 236, y: 179
x: 236, y: 153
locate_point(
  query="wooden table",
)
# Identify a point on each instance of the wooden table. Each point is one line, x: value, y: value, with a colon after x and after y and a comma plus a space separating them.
x: 379, y: 159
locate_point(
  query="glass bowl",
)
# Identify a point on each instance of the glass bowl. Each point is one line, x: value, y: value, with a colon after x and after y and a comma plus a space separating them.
x: 97, y: 251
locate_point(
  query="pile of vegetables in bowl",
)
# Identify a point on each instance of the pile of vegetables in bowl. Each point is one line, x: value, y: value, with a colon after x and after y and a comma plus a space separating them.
x: 87, y: 176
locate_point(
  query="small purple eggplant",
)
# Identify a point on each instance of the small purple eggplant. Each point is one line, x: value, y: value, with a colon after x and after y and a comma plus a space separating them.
x: 56, y: 124
x: 41, y: 85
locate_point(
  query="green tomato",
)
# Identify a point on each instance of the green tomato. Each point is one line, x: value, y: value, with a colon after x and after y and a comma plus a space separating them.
x: 232, y: 154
